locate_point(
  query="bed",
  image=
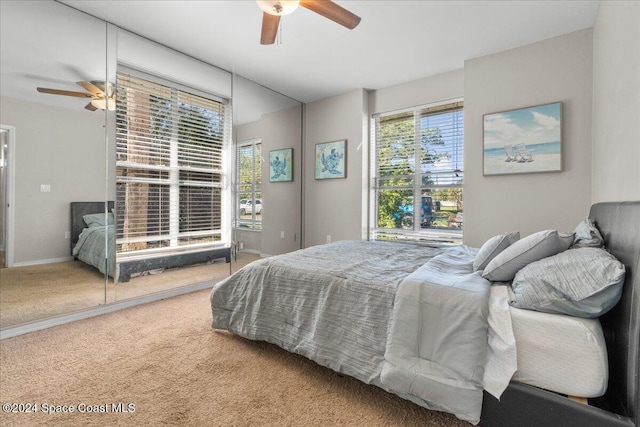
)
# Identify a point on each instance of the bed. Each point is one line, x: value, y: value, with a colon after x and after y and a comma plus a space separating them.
x: 88, y: 239
x: 88, y: 245
x: 620, y: 405
x: 421, y: 323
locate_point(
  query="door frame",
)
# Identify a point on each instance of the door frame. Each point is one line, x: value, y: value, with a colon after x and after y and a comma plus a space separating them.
x: 9, y: 206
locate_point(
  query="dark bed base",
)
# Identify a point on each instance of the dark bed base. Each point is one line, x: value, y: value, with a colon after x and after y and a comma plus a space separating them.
x: 127, y: 268
x: 523, y: 405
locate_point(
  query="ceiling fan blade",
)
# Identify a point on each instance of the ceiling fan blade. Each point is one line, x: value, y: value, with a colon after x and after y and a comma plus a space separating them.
x: 269, y: 28
x: 90, y: 107
x: 332, y: 11
x: 92, y: 87
x: 64, y: 92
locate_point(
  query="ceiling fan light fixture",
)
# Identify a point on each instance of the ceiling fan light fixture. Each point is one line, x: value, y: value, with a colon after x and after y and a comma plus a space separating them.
x: 104, y: 103
x: 278, y: 7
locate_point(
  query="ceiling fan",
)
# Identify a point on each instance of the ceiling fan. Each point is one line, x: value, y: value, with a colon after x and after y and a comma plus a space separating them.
x: 274, y: 9
x: 102, y: 96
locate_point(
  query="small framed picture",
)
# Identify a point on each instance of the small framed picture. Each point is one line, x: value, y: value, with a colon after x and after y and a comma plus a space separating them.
x: 331, y: 160
x: 526, y: 140
x: 281, y: 165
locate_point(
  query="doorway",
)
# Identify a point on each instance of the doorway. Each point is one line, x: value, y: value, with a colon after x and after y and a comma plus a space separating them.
x: 7, y: 139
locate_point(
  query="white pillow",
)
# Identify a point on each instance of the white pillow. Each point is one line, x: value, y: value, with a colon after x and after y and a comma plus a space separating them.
x: 532, y: 248
x: 493, y: 247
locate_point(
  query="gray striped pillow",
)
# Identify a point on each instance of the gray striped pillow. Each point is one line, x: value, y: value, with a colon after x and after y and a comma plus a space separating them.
x: 583, y: 282
x: 493, y: 247
x: 529, y: 249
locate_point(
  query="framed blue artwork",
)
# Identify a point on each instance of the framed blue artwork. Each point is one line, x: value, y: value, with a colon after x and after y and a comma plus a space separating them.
x: 331, y: 160
x: 281, y: 165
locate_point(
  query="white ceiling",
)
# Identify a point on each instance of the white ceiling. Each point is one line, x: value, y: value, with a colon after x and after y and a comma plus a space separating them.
x: 396, y: 42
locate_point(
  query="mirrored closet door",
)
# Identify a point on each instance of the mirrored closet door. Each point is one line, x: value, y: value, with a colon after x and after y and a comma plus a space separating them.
x: 54, y: 104
x: 267, y: 172
x: 85, y: 199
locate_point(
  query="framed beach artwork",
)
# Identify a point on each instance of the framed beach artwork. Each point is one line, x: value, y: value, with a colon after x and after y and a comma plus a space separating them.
x: 331, y: 160
x: 526, y: 140
x: 281, y: 165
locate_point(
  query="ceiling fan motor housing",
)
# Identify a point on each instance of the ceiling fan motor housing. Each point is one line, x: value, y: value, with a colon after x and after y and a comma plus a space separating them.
x: 278, y: 7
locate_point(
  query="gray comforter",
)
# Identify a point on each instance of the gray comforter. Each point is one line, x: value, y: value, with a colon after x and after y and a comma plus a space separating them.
x: 385, y: 313
x: 92, y: 248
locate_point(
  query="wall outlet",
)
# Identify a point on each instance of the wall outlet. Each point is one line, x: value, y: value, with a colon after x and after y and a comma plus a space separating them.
x: 45, y: 188
x: 282, y: 234
x: 240, y: 246
x: 328, y: 238
x: 67, y: 234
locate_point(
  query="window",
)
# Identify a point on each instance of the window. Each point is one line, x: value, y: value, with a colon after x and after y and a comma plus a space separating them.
x: 417, y: 174
x: 169, y: 168
x: 249, y: 196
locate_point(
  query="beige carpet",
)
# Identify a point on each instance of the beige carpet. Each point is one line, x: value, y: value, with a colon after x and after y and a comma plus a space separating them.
x: 165, y: 359
x: 40, y: 291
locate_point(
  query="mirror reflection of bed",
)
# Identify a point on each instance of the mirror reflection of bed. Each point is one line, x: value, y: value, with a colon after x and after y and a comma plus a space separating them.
x: 90, y: 227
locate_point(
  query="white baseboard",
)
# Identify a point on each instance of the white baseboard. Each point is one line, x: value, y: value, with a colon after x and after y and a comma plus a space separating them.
x: 250, y: 251
x: 42, y: 261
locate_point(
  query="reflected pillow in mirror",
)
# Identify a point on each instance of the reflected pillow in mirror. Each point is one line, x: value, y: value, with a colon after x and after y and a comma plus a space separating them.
x: 97, y: 219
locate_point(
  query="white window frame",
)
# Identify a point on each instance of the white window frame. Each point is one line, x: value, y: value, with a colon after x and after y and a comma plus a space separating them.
x: 255, y: 223
x: 416, y: 228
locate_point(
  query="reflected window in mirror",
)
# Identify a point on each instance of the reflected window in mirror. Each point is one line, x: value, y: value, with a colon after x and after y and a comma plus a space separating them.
x: 169, y: 167
x: 249, y: 185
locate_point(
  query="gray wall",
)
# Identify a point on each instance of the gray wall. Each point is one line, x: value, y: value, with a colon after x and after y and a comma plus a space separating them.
x: 616, y: 102
x: 557, y: 69
x: 336, y: 207
x: 57, y: 147
x: 594, y: 72
x: 282, y: 200
x: 429, y: 90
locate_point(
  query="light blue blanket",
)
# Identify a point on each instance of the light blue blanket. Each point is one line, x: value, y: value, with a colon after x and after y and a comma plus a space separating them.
x: 437, y: 342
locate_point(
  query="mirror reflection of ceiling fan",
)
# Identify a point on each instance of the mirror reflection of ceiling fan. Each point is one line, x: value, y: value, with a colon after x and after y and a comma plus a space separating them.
x: 102, y: 96
x: 274, y: 9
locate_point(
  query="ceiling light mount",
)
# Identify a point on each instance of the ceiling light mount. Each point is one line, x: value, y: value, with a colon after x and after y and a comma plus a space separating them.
x: 273, y: 10
x: 278, y: 7
x: 104, y: 103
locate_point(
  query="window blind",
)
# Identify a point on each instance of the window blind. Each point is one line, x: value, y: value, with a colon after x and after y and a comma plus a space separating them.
x: 169, y: 170
x: 417, y: 174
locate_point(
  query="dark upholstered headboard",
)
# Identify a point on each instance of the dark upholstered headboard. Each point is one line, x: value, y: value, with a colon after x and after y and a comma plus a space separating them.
x: 80, y: 209
x: 619, y: 223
